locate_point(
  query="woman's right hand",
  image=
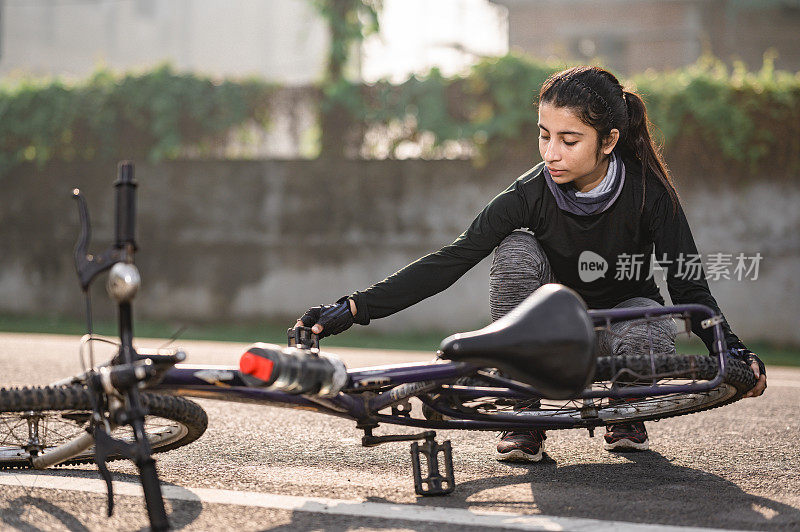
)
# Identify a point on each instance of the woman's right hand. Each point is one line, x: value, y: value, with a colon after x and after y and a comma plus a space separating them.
x: 326, y: 320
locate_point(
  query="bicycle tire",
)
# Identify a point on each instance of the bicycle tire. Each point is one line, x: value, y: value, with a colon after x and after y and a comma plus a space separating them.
x: 738, y: 379
x: 69, y: 408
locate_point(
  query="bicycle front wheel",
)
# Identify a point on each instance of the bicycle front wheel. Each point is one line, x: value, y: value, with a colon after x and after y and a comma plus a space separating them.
x: 36, y: 420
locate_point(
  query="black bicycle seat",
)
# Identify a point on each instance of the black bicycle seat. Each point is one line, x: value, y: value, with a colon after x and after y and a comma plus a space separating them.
x: 547, y: 342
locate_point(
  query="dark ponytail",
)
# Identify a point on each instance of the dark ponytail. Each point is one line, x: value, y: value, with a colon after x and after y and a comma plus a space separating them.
x: 598, y: 99
x: 639, y: 144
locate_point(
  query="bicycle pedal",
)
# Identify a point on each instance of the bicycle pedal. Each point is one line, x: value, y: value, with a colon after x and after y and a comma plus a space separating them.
x: 435, y: 483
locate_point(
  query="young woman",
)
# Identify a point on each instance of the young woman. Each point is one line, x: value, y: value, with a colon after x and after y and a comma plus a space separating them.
x: 601, y: 196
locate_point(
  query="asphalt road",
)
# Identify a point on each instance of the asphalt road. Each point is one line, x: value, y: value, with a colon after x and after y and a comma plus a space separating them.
x: 736, y: 467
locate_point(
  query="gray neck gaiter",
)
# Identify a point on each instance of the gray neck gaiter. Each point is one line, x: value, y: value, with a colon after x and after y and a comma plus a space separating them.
x: 568, y: 200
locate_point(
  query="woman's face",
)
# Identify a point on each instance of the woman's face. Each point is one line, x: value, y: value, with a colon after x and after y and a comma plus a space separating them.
x: 569, y: 148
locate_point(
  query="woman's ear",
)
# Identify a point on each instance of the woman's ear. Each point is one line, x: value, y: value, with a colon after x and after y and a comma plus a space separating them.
x: 610, y: 141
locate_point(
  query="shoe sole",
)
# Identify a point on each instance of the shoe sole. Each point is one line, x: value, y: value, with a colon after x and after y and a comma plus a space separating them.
x: 518, y: 455
x: 627, y: 445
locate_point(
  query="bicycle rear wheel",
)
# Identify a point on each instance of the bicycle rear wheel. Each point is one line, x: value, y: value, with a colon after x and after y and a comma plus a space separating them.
x: 672, y: 369
x: 35, y: 420
x: 625, y: 371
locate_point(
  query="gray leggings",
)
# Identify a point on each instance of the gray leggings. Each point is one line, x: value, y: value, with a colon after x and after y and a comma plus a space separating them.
x: 520, y: 266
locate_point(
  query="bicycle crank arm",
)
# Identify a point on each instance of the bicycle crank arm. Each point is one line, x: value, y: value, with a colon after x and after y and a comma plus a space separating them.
x: 438, y: 474
x: 368, y: 440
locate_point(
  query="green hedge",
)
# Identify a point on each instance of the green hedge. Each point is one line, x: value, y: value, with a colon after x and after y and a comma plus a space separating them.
x: 157, y: 114
x: 708, y: 116
x: 740, y: 121
x: 712, y: 119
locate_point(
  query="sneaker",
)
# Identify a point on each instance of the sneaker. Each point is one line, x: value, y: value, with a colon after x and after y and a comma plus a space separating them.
x: 626, y: 437
x: 518, y: 446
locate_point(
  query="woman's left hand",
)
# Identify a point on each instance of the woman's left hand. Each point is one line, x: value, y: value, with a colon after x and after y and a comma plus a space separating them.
x: 761, y: 384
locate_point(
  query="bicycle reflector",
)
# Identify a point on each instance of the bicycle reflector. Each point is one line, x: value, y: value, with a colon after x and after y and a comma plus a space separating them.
x: 292, y: 370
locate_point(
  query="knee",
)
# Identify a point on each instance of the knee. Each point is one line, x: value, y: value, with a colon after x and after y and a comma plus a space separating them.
x: 639, y: 338
x: 518, y: 268
x: 518, y: 252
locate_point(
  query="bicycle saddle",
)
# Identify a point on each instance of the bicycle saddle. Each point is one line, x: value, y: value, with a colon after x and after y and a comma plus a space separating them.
x: 547, y: 342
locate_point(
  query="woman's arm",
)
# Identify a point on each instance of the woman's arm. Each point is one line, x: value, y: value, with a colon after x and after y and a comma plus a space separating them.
x: 674, y: 246
x: 436, y: 271
x: 674, y: 242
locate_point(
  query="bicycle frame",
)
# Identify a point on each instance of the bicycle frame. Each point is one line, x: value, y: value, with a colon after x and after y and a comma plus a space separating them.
x: 387, y: 386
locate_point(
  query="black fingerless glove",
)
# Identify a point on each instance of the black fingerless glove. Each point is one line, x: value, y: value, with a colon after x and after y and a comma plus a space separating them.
x: 748, y: 357
x: 334, y: 318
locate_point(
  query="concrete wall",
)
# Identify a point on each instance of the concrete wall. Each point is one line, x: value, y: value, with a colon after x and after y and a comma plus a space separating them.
x: 266, y: 239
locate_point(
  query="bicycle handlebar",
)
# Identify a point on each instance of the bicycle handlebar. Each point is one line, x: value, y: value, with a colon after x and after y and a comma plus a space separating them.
x: 88, y: 266
x: 125, y: 226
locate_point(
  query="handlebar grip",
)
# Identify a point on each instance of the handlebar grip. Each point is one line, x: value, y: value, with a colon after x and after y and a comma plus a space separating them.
x: 125, y: 227
x: 302, y: 337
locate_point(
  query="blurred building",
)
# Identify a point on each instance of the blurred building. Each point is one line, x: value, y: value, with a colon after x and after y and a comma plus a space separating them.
x: 633, y: 35
x: 416, y: 35
x: 282, y: 40
x: 285, y: 41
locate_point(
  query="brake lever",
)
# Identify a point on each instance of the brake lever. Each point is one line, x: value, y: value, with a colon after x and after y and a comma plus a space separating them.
x: 104, y: 444
x: 82, y: 246
x: 138, y: 452
x: 87, y: 265
x: 104, y: 447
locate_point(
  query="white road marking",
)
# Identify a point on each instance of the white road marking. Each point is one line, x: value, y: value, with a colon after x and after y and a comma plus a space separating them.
x: 355, y: 508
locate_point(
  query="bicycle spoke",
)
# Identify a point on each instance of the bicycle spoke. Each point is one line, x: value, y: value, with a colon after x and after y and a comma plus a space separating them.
x: 50, y: 429
x: 13, y: 429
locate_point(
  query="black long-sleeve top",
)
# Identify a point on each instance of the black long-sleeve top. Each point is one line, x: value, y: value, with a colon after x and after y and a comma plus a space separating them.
x: 623, y: 230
